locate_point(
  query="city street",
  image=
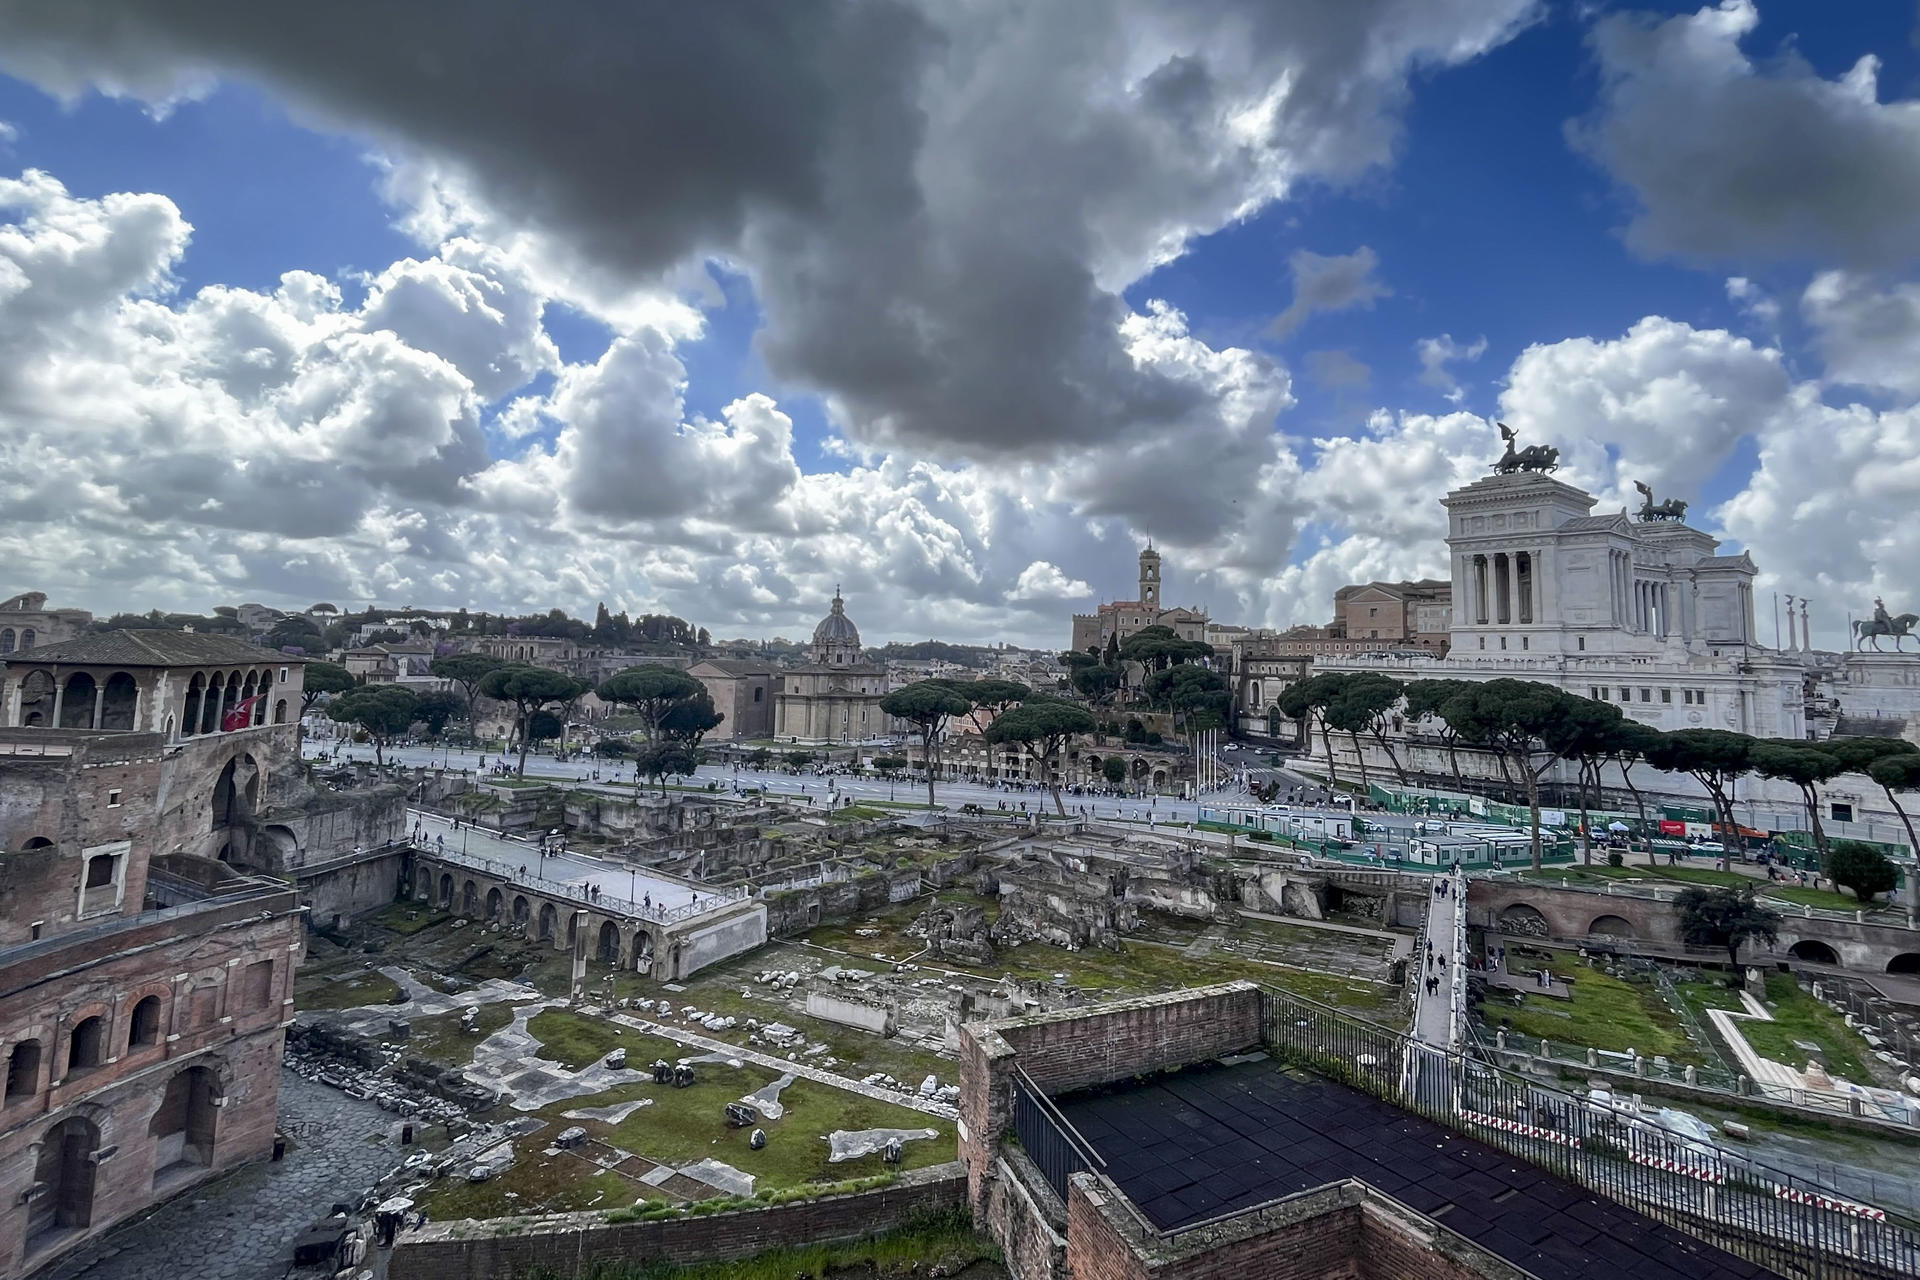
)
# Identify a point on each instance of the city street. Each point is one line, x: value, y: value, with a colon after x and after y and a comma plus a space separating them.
x: 818, y: 790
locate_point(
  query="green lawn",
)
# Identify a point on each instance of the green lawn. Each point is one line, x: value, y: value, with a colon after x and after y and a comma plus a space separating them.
x: 1798, y: 1016
x: 440, y: 1038
x: 682, y: 1126
x: 367, y: 987
x: 574, y: 1039
x: 856, y: 813
x: 1702, y: 875
x: 1819, y: 898
x: 1605, y: 1013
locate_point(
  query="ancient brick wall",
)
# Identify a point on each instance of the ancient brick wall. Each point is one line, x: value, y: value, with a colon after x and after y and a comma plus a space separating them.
x: 221, y: 983
x: 98, y: 798
x: 571, y: 1244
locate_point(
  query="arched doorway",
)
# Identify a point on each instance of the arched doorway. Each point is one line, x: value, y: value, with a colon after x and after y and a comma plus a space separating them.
x: 549, y: 922
x: 573, y: 929
x: 470, y: 899
x: 65, y: 1168
x: 76, y: 704
x: 493, y: 903
x: 521, y: 909
x: 1813, y: 951
x: 1273, y: 721
x: 446, y: 892
x: 1906, y: 962
x: 1610, y: 927
x: 182, y: 1127
x: 120, y: 708
x: 36, y: 699
x: 609, y: 949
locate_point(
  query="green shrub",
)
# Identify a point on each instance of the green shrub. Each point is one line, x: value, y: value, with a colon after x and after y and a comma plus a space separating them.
x: 1616, y: 859
x: 1264, y: 837
x: 1861, y: 868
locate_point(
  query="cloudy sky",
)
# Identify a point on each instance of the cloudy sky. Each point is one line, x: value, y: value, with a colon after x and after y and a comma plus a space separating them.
x: 707, y: 308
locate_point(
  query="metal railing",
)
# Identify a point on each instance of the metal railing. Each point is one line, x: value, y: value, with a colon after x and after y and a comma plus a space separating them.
x: 711, y: 900
x: 1049, y: 1139
x: 1772, y: 1217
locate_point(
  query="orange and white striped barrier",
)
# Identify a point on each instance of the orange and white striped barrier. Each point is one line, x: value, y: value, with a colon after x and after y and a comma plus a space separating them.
x: 1866, y: 1211
x: 1703, y: 1172
x: 1515, y: 1126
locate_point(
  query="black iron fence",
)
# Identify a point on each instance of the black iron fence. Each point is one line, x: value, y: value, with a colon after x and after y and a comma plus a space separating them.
x: 1777, y: 1219
x: 1047, y: 1137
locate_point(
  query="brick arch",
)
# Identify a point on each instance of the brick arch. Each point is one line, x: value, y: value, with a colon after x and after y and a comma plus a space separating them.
x: 1523, y: 919
x: 1608, y: 925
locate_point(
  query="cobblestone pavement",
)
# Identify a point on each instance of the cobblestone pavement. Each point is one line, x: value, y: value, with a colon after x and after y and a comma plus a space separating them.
x: 242, y: 1227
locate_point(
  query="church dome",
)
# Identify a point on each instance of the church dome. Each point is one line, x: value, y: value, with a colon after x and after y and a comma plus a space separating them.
x: 837, y: 628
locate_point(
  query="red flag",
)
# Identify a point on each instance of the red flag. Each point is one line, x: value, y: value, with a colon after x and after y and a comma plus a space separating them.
x: 240, y: 716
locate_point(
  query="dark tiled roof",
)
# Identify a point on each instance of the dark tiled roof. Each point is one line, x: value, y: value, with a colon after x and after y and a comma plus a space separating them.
x: 737, y: 666
x: 1212, y: 1140
x: 1580, y: 523
x: 147, y: 648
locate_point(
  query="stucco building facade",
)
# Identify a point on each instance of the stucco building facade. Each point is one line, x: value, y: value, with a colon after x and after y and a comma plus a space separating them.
x: 835, y: 695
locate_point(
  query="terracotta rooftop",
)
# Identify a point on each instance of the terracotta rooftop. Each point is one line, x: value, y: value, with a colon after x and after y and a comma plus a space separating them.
x: 150, y: 648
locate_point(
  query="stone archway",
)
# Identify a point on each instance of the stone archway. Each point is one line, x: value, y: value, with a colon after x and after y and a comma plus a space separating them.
x: 183, y: 1125
x: 1906, y: 962
x: 1610, y: 926
x: 494, y: 901
x: 1813, y: 951
x: 608, y: 949
x: 549, y: 922
x: 446, y: 891
x: 470, y: 899
x: 522, y: 909
x: 66, y: 1169
x: 1524, y: 921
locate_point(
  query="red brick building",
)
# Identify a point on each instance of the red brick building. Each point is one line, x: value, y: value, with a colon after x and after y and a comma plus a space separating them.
x: 144, y: 983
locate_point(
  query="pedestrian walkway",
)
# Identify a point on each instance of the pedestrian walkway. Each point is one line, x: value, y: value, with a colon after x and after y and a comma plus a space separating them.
x: 1440, y: 959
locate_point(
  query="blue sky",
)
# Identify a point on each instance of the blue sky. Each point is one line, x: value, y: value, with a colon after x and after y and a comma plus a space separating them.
x: 1485, y: 222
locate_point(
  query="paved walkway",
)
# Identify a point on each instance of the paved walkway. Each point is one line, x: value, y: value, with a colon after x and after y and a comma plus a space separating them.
x: 1433, y: 1011
x: 616, y: 880
x: 242, y: 1226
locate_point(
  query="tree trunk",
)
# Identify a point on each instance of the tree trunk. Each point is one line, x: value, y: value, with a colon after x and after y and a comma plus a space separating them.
x: 379, y: 761
x: 1725, y: 807
x: 1326, y: 740
x: 1533, y: 804
x: 1453, y: 756
x: 1813, y: 817
x: 1586, y: 825
x: 1399, y: 771
x: 1360, y: 755
x: 526, y: 740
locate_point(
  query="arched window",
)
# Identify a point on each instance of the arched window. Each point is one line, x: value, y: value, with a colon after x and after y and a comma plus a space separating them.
x: 8, y: 640
x: 23, y: 1070
x: 145, y: 1027
x: 119, y: 708
x: 27, y: 638
x: 76, y: 704
x: 86, y: 1047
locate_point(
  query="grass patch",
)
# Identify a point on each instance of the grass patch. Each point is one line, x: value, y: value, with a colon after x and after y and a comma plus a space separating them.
x: 368, y: 987
x: 575, y: 1040
x: 1825, y: 899
x: 857, y: 813
x: 1798, y: 1016
x: 937, y: 1244
x: 440, y: 1038
x: 533, y: 1184
x: 1702, y: 875
x: 1605, y: 1013
x: 393, y: 918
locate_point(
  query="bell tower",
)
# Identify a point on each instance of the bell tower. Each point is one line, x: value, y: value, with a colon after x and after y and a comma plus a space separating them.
x: 1150, y: 579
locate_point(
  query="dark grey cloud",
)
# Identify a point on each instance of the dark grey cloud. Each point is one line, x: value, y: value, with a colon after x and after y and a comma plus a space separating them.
x: 938, y: 204
x: 1729, y: 158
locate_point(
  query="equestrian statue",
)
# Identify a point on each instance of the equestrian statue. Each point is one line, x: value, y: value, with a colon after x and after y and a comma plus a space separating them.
x: 1671, y: 509
x: 1535, y: 457
x: 1880, y: 624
